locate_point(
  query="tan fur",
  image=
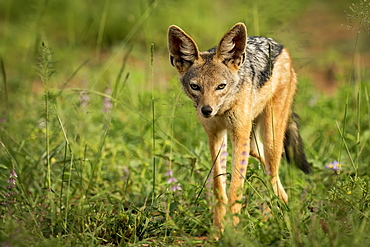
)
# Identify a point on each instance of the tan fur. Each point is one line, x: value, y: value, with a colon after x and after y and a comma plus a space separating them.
x: 223, y: 109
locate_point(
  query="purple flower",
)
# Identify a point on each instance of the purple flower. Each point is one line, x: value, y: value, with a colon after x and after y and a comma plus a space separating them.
x: 13, y: 174
x: 169, y: 173
x: 107, y: 101
x: 11, y: 181
x: 335, y: 166
x: 172, y: 180
x: 84, y: 98
x: 175, y: 187
x: 12, y: 177
x: 10, y: 186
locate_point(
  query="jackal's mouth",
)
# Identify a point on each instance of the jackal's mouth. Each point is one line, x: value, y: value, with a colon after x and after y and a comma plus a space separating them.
x: 210, y: 116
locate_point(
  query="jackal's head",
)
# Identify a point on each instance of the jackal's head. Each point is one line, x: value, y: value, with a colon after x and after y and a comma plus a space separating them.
x: 209, y: 78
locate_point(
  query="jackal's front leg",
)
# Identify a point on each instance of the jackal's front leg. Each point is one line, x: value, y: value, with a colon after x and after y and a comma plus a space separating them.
x: 241, y: 148
x: 217, y: 145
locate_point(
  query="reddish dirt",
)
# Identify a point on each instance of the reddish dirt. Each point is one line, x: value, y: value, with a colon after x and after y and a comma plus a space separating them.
x: 329, y: 46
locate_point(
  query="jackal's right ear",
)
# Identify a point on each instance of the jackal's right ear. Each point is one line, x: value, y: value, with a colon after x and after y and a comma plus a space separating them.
x: 183, y: 50
x: 231, y: 49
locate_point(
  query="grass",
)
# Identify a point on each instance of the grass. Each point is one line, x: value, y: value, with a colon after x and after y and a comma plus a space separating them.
x: 96, y: 137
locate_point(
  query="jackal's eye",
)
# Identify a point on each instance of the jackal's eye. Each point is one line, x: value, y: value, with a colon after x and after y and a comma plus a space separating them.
x: 221, y: 86
x: 195, y: 86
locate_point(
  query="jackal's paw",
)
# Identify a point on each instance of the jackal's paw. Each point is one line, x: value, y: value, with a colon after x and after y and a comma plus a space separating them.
x: 216, y: 233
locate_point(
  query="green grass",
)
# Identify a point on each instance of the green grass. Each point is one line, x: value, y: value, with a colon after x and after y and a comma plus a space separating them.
x: 93, y: 119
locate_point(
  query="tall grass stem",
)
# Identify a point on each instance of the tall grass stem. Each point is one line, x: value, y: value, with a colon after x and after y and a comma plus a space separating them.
x: 102, y: 27
x: 153, y: 119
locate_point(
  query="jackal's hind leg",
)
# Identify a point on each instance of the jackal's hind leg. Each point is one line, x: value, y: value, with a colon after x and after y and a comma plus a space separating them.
x: 273, y: 125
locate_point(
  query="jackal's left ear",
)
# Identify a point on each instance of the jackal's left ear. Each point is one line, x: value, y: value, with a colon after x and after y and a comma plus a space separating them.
x: 231, y: 49
x: 182, y: 48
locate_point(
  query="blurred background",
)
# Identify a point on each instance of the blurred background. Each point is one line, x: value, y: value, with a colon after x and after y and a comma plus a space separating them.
x: 320, y: 35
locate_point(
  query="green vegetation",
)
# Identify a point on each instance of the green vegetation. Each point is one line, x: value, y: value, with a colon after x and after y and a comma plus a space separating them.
x: 99, y: 146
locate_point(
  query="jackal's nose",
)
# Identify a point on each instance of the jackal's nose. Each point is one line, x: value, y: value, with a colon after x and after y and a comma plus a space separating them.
x: 206, y: 110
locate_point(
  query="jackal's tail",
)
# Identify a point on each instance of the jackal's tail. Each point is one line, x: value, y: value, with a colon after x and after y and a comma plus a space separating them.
x: 293, y: 145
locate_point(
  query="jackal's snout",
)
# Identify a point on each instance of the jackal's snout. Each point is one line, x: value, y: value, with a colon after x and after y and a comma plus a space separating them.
x: 206, y: 111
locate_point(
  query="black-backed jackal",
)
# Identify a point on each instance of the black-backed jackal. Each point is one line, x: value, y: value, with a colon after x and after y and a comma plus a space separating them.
x: 242, y: 83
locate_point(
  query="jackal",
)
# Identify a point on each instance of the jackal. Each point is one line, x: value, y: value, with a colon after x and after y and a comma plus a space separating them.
x: 241, y: 85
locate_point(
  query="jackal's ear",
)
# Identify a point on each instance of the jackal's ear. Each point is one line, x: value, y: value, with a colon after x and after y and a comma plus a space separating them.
x: 183, y: 50
x: 231, y: 49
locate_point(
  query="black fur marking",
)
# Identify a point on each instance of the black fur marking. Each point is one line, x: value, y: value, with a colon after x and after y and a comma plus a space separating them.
x: 212, y: 50
x: 261, y: 54
x: 259, y: 59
